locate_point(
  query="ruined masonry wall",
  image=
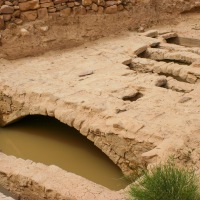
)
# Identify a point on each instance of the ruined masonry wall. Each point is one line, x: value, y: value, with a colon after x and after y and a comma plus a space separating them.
x: 18, y: 11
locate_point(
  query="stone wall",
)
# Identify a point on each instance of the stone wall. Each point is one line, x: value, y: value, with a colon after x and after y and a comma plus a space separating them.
x: 18, y: 11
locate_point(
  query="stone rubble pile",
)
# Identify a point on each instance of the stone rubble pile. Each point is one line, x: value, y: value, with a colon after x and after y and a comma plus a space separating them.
x: 18, y: 11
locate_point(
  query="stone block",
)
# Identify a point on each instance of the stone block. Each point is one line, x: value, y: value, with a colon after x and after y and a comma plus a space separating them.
x: 29, y: 5
x: 8, y: 3
x: 94, y: 7
x: 15, y: 3
x: 59, y: 1
x: 111, y: 3
x: 79, y: 10
x: 45, y: 1
x: 42, y: 13
x: 1, y: 2
x: 60, y: 7
x: 70, y: 4
x: 16, y: 7
x: 5, y: 9
x: 16, y: 14
x: 86, y: 2
x: 47, y: 5
x: 101, y: 2
x: 111, y: 9
x: 7, y: 17
x: 120, y: 7
x: 51, y: 10
x: 18, y: 21
x: 66, y: 12
x: 29, y: 15
x: 100, y: 10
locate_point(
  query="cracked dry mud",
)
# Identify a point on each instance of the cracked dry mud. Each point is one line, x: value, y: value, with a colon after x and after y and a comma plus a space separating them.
x: 135, y: 97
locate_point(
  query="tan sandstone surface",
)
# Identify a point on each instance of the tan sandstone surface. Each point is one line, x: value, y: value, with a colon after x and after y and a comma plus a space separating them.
x: 135, y: 97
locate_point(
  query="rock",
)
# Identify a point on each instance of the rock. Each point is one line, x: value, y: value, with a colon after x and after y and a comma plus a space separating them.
x: 101, y: 3
x: 18, y: 21
x: 141, y: 29
x: 1, y: 2
x: 86, y: 73
x: 111, y: 3
x: 45, y: 1
x: 47, y: 5
x: 94, y: 7
x: 169, y: 35
x: 111, y: 10
x: 2, y: 24
x: 88, y: 8
x: 15, y: 3
x: 44, y: 28
x: 60, y: 7
x: 7, y: 17
x: 8, y: 3
x: 5, y: 9
x: 86, y: 2
x: 16, y: 14
x: 151, y: 33
x: 16, y: 7
x: 24, y: 32
x: 70, y: 4
x: 66, y: 12
x: 120, y: 7
x: 79, y: 10
x: 161, y: 82
x: 29, y: 15
x: 51, y: 10
x: 191, y: 78
x: 184, y: 99
x: 29, y: 5
x: 100, y: 10
x: 59, y: 1
x: 42, y: 13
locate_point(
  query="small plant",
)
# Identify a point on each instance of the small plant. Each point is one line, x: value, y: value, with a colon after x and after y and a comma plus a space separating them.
x: 166, y: 182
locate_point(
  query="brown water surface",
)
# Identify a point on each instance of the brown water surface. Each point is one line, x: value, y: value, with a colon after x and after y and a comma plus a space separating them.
x: 46, y: 140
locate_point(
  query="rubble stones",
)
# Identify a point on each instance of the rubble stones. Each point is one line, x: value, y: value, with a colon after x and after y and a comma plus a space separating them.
x: 5, y: 9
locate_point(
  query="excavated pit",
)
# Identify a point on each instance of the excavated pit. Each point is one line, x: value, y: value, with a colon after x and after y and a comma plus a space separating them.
x: 137, y: 110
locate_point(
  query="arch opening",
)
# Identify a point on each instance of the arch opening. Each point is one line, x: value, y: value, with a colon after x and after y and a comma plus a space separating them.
x: 46, y: 140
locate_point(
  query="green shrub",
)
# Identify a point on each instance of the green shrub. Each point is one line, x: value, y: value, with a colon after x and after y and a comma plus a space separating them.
x: 166, y: 182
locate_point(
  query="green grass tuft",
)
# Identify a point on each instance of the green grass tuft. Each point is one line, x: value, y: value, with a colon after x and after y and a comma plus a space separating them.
x: 166, y: 182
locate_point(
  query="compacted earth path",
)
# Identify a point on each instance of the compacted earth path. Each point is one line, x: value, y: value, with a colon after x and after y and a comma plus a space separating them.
x: 135, y: 96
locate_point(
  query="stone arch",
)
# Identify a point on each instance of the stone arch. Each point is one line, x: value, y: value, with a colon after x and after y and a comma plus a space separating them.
x: 124, y: 152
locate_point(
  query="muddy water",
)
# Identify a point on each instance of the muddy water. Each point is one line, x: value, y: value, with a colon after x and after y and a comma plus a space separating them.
x: 48, y: 141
